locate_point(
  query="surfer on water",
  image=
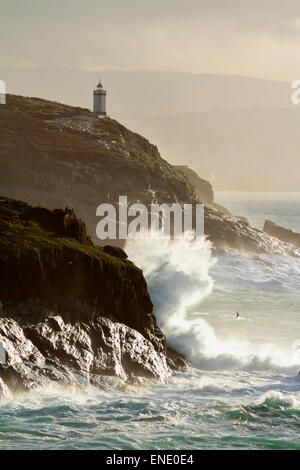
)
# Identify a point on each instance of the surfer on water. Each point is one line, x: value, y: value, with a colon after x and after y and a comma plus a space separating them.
x: 237, y: 315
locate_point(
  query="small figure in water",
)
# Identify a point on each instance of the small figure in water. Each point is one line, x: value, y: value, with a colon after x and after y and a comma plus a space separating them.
x: 237, y: 314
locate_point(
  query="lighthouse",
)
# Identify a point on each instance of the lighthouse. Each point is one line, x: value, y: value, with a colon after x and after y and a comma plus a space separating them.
x: 99, y: 108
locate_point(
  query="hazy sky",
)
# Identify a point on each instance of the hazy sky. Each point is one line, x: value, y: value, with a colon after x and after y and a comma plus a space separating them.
x: 247, y: 37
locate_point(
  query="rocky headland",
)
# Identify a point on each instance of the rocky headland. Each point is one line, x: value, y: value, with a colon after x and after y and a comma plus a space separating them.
x: 56, y: 155
x: 72, y: 312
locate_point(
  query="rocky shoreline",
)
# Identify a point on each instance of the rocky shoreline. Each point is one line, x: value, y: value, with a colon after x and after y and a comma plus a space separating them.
x: 70, y: 311
x: 281, y: 233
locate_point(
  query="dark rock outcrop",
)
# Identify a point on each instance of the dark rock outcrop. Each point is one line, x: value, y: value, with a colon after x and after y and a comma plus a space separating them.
x: 71, y: 311
x: 203, y: 188
x: 286, y: 235
x: 231, y: 233
x: 56, y: 155
x: 115, y: 251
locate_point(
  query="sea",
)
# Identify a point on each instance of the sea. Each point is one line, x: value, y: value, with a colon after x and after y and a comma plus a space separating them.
x: 242, y: 390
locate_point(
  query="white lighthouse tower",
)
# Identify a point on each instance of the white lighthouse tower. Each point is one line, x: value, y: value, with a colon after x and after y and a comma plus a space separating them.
x: 99, y: 108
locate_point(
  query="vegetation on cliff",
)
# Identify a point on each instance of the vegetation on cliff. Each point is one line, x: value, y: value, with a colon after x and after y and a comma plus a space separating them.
x: 56, y: 155
x: 68, y: 307
x: 47, y: 256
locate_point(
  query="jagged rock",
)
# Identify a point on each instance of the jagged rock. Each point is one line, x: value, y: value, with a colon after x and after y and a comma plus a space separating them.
x: 61, y: 273
x: 175, y: 360
x: 115, y: 251
x: 69, y: 310
x: 230, y: 233
x: 63, y: 223
x: 286, y: 235
x: 75, y: 353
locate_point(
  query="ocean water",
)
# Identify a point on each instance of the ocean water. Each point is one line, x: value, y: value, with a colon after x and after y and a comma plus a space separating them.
x: 243, y: 388
x: 281, y: 208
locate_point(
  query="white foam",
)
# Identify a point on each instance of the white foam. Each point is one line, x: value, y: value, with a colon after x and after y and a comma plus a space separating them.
x: 179, y: 280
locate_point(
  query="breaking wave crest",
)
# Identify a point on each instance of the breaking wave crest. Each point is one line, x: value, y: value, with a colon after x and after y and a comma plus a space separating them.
x: 179, y: 280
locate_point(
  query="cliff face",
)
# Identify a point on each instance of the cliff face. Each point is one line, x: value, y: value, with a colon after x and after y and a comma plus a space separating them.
x: 69, y: 308
x: 57, y: 155
x: 203, y: 188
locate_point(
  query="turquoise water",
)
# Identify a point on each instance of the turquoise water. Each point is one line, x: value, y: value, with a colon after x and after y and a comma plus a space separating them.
x: 243, y: 389
x: 194, y: 411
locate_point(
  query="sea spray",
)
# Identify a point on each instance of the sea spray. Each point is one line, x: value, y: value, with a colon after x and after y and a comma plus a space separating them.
x: 179, y: 280
x: 211, y: 409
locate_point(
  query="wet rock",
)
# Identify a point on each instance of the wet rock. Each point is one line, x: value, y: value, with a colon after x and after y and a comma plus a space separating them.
x: 230, y: 233
x: 286, y: 235
x: 71, y: 312
x: 75, y: 353
x: 175, y: 360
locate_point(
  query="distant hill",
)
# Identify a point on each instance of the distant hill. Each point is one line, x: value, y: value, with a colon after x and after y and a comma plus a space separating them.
x: 148, y: 92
